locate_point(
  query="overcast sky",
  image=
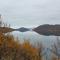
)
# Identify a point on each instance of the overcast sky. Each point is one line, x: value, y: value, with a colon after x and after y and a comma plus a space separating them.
x: 30, y: 12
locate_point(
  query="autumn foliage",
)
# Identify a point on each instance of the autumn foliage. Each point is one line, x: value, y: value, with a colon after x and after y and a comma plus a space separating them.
x: 11, y: 49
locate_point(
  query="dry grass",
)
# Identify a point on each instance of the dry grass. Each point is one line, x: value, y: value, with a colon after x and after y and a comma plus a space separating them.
x: 10, y: 49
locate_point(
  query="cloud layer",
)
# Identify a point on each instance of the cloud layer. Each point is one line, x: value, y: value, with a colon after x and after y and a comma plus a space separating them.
x: 30, y: 12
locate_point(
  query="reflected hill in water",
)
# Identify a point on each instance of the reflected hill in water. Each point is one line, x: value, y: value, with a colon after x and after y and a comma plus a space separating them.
x: 45, y: 29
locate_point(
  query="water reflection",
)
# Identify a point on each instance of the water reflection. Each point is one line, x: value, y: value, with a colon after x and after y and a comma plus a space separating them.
x: 34, y: 37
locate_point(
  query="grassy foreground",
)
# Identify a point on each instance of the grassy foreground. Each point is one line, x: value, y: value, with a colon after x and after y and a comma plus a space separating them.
x: 11, y: 49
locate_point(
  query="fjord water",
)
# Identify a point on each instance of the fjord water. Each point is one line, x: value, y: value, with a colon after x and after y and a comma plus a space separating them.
x: 34, y: 37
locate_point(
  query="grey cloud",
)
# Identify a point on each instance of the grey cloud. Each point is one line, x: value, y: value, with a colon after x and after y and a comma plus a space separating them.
x: 30, y: 12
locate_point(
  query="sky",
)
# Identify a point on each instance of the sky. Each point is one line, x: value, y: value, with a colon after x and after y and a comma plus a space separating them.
x: 30, y: 13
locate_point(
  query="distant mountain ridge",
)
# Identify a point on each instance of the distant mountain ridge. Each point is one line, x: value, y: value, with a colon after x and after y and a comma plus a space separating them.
x: 7, y: 29
x: 22, y: 29
x: 45, y: 29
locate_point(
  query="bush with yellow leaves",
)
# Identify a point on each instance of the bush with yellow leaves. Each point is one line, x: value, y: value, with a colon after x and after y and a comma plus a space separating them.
x: 11, y: 49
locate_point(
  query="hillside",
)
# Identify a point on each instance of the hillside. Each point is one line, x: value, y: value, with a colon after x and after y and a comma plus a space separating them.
x: 48, y: 29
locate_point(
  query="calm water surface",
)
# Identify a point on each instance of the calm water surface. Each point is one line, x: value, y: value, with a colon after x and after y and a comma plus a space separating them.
x: 34, y: 37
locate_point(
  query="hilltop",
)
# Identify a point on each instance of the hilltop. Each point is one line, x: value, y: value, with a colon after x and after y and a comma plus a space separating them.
x: 47, y: 29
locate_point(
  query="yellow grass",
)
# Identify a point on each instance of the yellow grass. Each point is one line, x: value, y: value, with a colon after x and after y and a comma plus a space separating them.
x: 10, y: 49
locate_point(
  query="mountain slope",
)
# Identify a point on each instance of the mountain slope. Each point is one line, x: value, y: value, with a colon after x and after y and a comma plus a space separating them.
x: 48, y: 29
x: 22, y: 29
x: 7, y: 29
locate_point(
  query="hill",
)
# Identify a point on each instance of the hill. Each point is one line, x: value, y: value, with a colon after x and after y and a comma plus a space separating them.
x: 47, y: 29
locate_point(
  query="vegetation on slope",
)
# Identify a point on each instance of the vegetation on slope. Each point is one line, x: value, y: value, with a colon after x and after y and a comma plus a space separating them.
x: 11, y: 49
